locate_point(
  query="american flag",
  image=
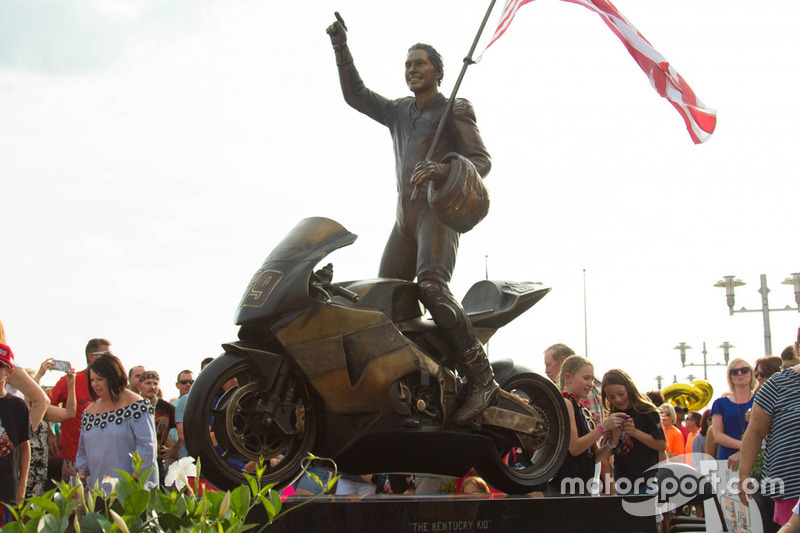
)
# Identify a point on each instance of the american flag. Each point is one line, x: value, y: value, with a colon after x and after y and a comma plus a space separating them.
x: 700, y: 120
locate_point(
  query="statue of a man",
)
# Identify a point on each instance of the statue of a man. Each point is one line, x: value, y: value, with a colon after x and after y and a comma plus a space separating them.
x: 421, y: 246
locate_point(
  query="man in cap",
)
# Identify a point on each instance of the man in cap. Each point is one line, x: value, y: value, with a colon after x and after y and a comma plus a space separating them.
x: 680, y: 417
x: 421, y: 245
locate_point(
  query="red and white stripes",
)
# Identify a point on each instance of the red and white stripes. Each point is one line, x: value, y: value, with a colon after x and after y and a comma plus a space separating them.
x: 700, y: 120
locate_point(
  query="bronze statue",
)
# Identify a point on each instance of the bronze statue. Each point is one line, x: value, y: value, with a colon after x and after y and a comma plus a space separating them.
x: 424, y: 241
x: 353, y: 372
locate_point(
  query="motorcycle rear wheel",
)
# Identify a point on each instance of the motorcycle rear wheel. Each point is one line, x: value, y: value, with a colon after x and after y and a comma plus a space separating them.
x: 244, y: 431
x: 515, y: 469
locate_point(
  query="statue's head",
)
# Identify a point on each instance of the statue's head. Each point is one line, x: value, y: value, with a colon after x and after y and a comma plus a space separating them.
x: 433, y: 56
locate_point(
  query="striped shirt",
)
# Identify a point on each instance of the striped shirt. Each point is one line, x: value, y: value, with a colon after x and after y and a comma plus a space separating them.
x: 780, y: 398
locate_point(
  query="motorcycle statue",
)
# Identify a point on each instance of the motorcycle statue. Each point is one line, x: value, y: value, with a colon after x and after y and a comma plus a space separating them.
x: 353, y: 371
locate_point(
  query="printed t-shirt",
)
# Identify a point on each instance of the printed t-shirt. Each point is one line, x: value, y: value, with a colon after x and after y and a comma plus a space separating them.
x: 14, y: 429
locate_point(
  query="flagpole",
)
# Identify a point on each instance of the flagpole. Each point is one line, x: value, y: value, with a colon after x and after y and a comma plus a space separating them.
x: 467, y: 62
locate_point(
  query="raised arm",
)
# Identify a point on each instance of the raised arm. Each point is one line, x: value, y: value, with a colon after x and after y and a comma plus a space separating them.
x: 46, y: 365
x: 60, y: 414
x: 354, y: 91
x: 39, y: 401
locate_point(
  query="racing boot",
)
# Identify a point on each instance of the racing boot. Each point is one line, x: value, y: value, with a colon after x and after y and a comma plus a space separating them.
x: 482, y: 390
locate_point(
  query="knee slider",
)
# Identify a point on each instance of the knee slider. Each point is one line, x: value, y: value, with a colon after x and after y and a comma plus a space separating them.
x: 438, y: 300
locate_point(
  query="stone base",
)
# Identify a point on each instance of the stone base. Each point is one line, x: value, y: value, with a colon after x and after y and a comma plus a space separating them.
x: 484, y: 514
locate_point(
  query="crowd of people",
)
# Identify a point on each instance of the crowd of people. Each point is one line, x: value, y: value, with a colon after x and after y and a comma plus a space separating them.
x: 88, y: 424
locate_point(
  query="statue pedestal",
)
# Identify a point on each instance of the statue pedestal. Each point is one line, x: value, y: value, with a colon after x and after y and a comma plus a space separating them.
x: 473, y: 514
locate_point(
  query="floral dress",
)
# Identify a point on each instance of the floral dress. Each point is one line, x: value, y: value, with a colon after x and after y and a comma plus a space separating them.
x: 37, y: 473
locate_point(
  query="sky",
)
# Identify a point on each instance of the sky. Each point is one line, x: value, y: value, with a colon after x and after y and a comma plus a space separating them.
x: 152, y: 153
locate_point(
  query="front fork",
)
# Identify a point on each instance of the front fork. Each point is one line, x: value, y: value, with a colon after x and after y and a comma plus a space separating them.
x: 278, y: 407
x: 275, y: 369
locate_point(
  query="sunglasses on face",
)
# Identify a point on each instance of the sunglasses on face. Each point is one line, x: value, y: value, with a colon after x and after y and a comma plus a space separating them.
x: 186, y: 382
x: 743, y: 371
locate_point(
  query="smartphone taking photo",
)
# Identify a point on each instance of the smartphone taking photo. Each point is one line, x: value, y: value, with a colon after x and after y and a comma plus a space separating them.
x: 61, y: 366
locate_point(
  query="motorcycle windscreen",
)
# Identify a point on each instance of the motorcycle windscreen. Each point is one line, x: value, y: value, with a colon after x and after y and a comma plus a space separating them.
x: 281, y: 284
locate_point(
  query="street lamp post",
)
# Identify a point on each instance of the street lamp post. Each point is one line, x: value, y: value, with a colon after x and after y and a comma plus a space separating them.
x: 683, y: 347
x: 730, y: 283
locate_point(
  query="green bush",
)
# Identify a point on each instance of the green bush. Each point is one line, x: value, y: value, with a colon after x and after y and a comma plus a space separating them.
x: 130, y: 508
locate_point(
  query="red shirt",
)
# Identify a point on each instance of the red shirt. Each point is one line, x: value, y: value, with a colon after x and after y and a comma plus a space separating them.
x: 685, y: 432
x: 71, y: 429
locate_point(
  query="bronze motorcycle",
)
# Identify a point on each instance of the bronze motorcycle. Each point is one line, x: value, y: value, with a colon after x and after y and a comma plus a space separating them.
x: 353, y: 371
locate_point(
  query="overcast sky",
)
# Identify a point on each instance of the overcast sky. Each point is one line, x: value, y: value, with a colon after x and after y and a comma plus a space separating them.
x: 153, y: 152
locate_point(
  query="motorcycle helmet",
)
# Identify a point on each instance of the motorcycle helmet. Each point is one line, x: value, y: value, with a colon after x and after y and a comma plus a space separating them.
x: 462, y: 201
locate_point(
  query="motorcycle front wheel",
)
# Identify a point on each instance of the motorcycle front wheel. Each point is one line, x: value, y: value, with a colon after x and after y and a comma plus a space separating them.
x: 518, y: 467
x: 228, y: 426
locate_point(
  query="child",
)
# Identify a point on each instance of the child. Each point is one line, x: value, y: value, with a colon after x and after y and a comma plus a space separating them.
x: 15, y: 450
x: 641, y: 441
x: 576, y: 381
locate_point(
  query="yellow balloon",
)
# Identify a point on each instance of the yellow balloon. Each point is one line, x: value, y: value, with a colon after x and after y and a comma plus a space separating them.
x: 692, y: 396
x: 681, y: 394
x: 707, y: 392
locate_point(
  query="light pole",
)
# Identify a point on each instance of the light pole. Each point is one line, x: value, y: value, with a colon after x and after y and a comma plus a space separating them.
x: 730, y: 283
x: 726, y: 347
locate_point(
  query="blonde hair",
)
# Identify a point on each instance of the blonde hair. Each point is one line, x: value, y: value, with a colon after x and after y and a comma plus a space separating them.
x: 2, y: 333
x: 732, y: 365
x: 571, y: 365
x: 671, y: 409
x: 638, y: 401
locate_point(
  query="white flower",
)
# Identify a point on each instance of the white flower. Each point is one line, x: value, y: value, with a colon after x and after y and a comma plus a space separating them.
x: 80, y: 490
x: 108, y: 480
x: 180, y: 471
x: 119, y: 521
x: 225, y: 505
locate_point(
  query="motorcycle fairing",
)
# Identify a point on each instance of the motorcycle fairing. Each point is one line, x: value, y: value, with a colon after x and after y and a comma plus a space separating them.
x: 282, y: 281
x: 492, y: 304
x: 350, y: 356
x: 269, y: 362
x: 398, y: 299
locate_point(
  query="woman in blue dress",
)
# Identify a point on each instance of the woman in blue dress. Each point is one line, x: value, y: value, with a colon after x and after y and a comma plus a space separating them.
x: 728, y: 412
x: 115, y: 425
